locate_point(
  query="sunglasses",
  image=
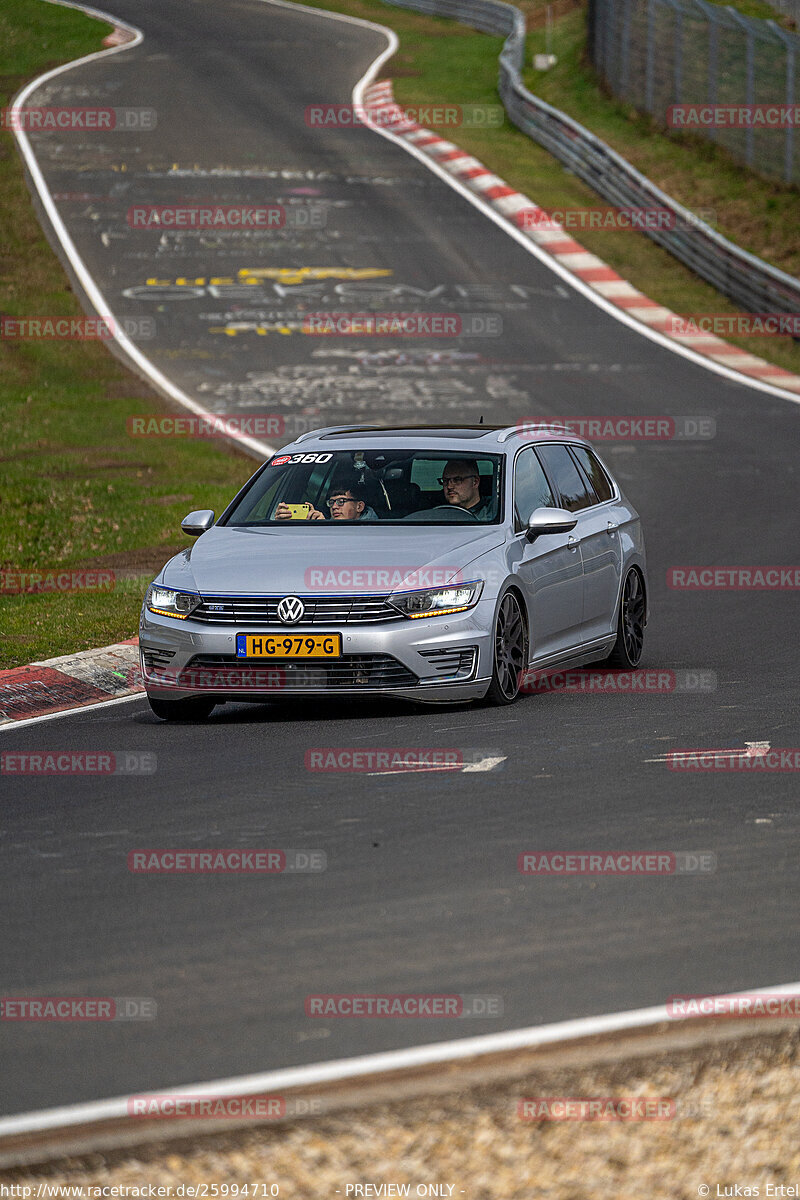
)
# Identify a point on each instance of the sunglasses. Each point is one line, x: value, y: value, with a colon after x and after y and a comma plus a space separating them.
x: 456, y: 479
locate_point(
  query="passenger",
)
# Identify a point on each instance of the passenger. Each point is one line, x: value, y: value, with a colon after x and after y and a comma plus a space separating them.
x: 346, y: 502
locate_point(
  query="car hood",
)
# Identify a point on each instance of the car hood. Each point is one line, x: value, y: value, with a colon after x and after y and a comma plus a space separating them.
x: 254, y: 561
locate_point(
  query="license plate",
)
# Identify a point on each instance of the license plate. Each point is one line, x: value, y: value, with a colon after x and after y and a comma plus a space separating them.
x: 288, y: 645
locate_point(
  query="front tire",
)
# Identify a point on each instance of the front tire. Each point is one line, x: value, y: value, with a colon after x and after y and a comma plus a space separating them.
x: 627, y: 649
x: 510, y: 652
x: 181, y: 710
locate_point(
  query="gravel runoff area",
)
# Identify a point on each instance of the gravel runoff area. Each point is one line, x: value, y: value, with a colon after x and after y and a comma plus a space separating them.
x: 736, y: 1123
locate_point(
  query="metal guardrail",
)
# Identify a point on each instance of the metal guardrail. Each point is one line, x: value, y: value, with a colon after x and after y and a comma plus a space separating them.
x: 753, y: 284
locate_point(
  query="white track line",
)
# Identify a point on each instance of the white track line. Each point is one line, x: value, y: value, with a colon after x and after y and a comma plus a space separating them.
x: 87, y: 282
x: 7, y: 726
x: 368, y: 1064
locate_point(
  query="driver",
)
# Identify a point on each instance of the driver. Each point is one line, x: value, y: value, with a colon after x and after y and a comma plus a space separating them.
x: 461, y: 484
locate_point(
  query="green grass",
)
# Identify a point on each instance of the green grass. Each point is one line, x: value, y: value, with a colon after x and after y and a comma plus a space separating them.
x: 77, y: 490
x: 757, y: 8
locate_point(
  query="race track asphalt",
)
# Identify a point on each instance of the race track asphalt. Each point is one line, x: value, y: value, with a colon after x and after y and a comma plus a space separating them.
x: 421, y: 891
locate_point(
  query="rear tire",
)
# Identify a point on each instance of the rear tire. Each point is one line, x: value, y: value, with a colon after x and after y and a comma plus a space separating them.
x: 181, y: 710
x: 510, y: 652
x: 627, y: 649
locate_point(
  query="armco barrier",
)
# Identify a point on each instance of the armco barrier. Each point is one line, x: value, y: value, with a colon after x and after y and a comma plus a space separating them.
x: 749, y: 281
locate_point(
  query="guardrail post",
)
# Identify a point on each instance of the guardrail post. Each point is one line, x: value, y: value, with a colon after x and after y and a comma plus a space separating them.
x: 788, y: 150
x: 678, y: 53
x: 651, y: 57
x: 788, y: 143
x: 750, y: 77
x: 609, y: 31
x: 593, y: 31
x: 624, y: 49
x: 713, y: 66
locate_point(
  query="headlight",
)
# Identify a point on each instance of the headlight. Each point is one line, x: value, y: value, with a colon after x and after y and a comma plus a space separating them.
x: 438, y: 602
x: 170, y: 604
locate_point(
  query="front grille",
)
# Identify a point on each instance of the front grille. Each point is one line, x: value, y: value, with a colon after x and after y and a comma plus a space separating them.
x: 456, y: 663
x: 224, y: 672
x: 319, y: 610
x: 156, y: 660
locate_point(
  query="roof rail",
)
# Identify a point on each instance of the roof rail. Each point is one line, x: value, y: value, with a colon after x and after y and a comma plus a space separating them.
x: 330, y: 429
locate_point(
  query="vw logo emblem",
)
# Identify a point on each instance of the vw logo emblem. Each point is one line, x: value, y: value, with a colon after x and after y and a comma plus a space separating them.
x: 291, y: 609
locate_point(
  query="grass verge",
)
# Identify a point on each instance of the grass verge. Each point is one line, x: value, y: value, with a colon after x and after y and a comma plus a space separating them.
x: 77, y: 491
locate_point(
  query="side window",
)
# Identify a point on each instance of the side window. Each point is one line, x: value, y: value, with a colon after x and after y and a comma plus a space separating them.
x: 573, y: 492
x: 425, y: 473
x: 595, y: 473
x: 531, y: 489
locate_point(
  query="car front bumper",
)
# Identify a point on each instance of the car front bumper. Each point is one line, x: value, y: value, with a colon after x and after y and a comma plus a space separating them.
x: 428, y: 659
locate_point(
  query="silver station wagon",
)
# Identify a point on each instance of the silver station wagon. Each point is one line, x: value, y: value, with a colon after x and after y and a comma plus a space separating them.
x: 436, y: 564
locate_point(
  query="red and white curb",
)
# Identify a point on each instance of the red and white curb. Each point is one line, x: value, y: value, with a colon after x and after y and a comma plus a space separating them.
x: 71, y: 681
x: 523, y: 213
x: 119, y: 37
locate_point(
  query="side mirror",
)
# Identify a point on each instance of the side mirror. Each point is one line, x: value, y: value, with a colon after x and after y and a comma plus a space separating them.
x: 198, y: 522
x: 549, y: 520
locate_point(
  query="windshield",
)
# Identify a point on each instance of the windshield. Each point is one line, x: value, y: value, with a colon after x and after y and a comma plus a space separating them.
x: 368, y: 487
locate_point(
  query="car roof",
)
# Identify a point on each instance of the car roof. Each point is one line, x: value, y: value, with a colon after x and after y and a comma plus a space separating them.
x: 496, y: 437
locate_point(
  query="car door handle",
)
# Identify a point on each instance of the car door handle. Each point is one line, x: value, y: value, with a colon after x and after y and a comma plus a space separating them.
x: 573, y: 543
x: 612, y: 527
